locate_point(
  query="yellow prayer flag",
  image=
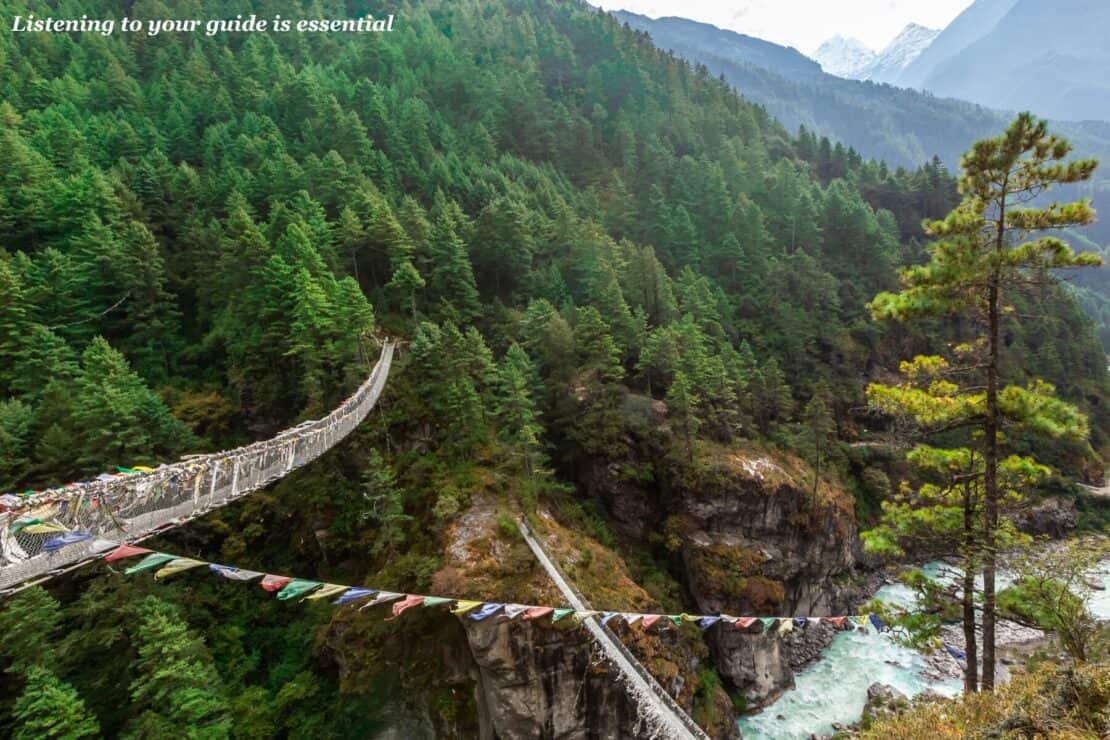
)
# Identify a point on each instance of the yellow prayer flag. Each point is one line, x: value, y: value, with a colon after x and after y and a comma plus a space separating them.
x: 178, y: 565
x: 44, y: 528
x: 462, y: 607
x: 328, y: 589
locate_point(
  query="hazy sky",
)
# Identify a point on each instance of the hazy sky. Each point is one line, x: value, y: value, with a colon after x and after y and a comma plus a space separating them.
x: 804, y: 24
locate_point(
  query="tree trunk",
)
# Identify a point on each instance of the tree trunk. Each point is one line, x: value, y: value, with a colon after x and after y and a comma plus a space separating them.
x: 971, y: 669
x: 990, y: 457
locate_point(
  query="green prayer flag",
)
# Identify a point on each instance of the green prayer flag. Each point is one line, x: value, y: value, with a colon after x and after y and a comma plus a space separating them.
x: 560, y: 613
x: 768, y: 623
x: 296, y: 587
x: 153, y: 560
x: 676, y: 618
x: 436, y: 600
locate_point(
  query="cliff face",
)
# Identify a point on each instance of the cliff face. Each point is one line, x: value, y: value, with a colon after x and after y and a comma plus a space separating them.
x: 751, y: 536
x: 518, y: 679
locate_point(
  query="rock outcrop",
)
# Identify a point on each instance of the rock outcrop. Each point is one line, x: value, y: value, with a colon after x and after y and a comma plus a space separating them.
x: 1054, y: 517
x: 750, y: 536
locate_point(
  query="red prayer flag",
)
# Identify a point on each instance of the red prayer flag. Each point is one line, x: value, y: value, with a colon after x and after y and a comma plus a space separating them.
x: 538, y: 611
x: 742, y: 623
x: 406, y: 603
x: 126, y: 551
x: 650, y: 619
x: 275, y: 583
x: 838, y: 622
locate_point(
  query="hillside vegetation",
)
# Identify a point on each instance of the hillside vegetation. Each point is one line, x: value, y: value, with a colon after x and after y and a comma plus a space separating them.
x: 564, y: 224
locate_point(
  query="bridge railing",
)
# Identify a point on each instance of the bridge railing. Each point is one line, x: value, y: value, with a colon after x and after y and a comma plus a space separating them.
x: 663, y: 716
x: 129, y: 507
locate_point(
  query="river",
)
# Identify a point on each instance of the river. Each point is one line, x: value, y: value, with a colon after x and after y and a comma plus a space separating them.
x: 834, y: 688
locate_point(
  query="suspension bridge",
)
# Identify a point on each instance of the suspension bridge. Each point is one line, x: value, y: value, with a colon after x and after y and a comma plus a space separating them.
x: 131, y: 507
x: 97, y: 515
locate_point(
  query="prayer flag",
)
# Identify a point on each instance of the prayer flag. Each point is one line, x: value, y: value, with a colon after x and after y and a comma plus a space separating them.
x: 877, y: 623
x: 607, y: 616
x: 800, y: 622
x: 462, y: 607
x: 742, y: 623
x: 383, y: 597
x: 649, y: 620
x: 296, y: 587
x: 44, y: 528
x: 485, y: 611
x: 235, y: 574
x: 436, y: 600
x: 326, y: 591
x: 689, y: 617
x: 102, y: 546
x: 354, y: 594
x: 275, y: 583
x: 126, y: 551
x: 69, y: 538
x: 560, y: 613
x: 707, y: 622
x: 768, y: 623
x: 837, y: 622
x: 815, y: 620
x: 786, y: 624
x: 512, y: 611
x: 152, y: 560
x: 407, y: 603
x: 955, y: 652
x: 581, y: 616
x: 676, y: 619
x: 178, y: 565
x: 861, y: 620
x: 536, y: 612
x: 632, y: 619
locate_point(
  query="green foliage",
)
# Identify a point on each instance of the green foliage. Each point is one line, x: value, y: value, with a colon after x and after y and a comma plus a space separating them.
x: 31, y: 619
x: 175, y: 687
x: 50, y: 708
x: 217, y: 225
x: 987, y: 248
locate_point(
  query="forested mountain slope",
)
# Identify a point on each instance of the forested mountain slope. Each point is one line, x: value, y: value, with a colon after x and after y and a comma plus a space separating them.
x: 904, y: 128
x: 600, y: 259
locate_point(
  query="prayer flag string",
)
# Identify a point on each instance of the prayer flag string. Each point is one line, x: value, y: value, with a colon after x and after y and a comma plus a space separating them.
x: 288, y: 588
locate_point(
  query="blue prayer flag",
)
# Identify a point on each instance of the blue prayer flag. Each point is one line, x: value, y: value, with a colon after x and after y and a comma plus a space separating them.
x: 486, y: 610
x: 69, y: 538
x: 955, y: 652
x: 354, y: 594
x: 707, y: 622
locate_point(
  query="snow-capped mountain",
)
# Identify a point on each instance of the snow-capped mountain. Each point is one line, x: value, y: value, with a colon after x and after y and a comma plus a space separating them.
x: 843, y: 57
x: 898, y: 54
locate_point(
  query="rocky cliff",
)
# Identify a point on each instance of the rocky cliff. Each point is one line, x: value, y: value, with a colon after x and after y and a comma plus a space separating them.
x: 751, y: 535
x: 522, y: 679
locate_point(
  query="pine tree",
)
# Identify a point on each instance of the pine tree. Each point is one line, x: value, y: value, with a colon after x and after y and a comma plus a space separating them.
x: 682, y: 405
x: 120, y: 420
x: 31, y: 620
x: 516, y: 414
x: 175, y: 683
x: 51, y: 708
x: 819, y: 428
x: 14, y: 324
x: 986, y: 250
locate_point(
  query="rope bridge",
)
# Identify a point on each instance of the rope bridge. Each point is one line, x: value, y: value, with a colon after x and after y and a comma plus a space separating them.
x: 661, y: 714
x: 50, y: 532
